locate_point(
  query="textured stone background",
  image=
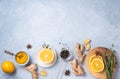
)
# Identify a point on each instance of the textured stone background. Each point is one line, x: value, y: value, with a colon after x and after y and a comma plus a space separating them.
x: 53, y: 21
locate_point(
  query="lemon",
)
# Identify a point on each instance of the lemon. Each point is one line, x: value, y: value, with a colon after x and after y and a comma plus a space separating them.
x: 46, y: 55
x: 8, y: 67
x: 97, y: 65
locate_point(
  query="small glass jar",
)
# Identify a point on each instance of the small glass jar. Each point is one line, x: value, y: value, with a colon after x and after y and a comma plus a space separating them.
x: 65, y: 54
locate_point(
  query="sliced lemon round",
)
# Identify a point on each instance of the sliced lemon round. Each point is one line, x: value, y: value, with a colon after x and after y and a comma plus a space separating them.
x: 94, y: 57
x: 46, y: 55
x: 97, y: 65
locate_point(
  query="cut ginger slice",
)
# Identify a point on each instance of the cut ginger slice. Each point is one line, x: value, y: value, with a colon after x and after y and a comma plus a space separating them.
x: 43, y: 73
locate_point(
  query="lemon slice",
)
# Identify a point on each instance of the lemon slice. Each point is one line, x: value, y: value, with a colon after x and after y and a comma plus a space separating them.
x: 94, y: 57
x: 97, y: 65
x: 46, y: 55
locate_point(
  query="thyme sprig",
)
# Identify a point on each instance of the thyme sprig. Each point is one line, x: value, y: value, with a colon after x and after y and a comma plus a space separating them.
x: 45, y: 45
x: 109, y: 64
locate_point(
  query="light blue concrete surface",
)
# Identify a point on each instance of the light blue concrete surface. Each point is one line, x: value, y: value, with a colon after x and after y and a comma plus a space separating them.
x: 53, y: 21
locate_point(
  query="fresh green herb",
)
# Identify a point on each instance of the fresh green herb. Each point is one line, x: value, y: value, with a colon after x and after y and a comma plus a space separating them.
x: 113, y: 45
x: 45, y: 45
x: 109, y: 64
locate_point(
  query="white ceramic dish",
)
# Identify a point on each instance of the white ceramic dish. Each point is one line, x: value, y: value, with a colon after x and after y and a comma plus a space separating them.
x: 45, y: 64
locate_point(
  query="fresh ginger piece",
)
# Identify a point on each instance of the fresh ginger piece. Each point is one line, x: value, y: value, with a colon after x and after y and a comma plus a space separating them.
x: 81, y: 59
x: 86, y: 41
x: 87, y: 47
x: 79, y: 50
x: 33, y: 69
x: 43, y: 73
x: 77, y: 69
x: 34, y: 75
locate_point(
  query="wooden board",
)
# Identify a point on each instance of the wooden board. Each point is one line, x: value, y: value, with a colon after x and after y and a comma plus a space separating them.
x: 101, y: 50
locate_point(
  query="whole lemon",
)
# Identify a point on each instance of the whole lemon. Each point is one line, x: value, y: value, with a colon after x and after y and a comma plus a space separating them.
x: 8, y: 67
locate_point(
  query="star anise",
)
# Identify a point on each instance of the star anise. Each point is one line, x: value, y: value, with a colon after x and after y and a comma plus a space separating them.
x: 29, y: 46
x: 67, y: 72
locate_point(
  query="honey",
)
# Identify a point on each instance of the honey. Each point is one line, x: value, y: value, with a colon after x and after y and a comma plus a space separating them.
x: 21, y: 57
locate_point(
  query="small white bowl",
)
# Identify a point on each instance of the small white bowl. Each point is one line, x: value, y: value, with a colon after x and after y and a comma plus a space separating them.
x: 26, y: 61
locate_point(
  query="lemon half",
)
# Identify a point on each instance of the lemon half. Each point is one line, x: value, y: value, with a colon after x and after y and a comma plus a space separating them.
x: 46, y: 55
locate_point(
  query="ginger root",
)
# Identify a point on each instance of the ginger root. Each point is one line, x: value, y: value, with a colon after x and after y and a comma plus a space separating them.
x: 77, y: 69
x: 79, y: 49
x: 87, y: 44
x: 33, y: 69
x: 86, y: 41
x: 87, y: 47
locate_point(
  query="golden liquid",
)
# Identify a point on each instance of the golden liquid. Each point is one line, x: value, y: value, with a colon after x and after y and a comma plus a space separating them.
x: 21, y: 57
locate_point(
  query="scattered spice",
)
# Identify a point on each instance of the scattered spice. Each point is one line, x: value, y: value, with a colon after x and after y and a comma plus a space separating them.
x: 64, y: 54
x: 29, y: 46
x: 98, y: 53
x: 10, y: 53
x: 67, y: 72
x: 64, y: 44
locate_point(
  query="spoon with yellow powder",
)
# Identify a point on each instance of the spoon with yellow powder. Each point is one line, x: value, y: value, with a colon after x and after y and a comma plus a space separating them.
x: 22, y: 58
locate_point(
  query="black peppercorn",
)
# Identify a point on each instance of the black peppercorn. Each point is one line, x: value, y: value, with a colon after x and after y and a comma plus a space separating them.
x: 64, y: 54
